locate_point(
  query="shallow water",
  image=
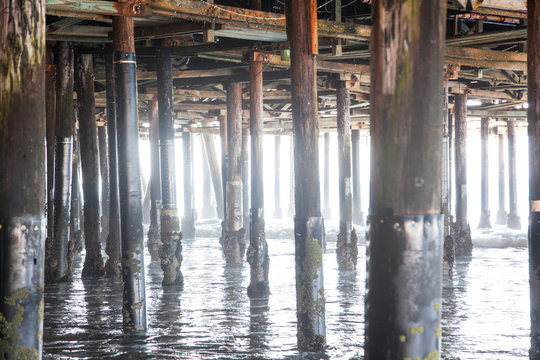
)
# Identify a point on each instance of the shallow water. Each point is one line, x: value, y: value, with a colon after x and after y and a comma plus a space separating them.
x: 485, y: 309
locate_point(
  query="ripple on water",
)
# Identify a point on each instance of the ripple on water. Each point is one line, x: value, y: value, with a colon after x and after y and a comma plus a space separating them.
x: 485, y: 310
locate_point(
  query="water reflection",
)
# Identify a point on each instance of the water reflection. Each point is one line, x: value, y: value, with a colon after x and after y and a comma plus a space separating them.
x: 485, y: 310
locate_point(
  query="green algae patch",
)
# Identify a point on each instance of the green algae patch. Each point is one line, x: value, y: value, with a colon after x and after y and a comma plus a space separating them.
x: 9, y: 330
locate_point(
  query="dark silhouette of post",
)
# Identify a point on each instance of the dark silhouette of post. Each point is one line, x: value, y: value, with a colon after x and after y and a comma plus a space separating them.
x: 113, y: 266
x: 405, y: 237
x: 84, y: 80
x: 171, y: 237
x: 57, y: 257
x: 129, y: 177
x: 22, y: 192
x: 533, y: 120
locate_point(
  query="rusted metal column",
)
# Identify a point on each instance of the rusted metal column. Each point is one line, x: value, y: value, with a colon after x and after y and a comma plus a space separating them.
x: 358, y: 215
x: 326, y: 170
x: 277, y: 177
x: 104, y: 171
x: 22, y: 183
x: 224, y: 163
x: 533, y: 119
x: 171, y: 237
x: 257, y: 253
x: 405, y: 236
x: 308, y: 223
x: 347, y: 241
x: 154, y: 230
x: 113, y: 244
x: 84, y: 79
x: 245, y: 181
x: 58, y: 261
x: 462, y: 231
x: 129, y: 176
x: 485, y: 221
x: 502, y: 215
x: 213, y: 164
x: 232, y: 239
x: 188, y: 221
x: 50, y: 117
x: 514, y: 221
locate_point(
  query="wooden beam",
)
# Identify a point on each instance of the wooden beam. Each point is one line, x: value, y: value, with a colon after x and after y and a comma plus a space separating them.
x: 201, y: 11
x: 506, y: 60
x: 97, y: 7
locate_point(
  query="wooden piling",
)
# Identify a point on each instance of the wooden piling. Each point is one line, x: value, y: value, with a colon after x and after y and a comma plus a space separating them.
x: 358, y: 215
x: 22, y: 179
x: 103, y: 145
x: 485, y: 221
x: 113, y: 245
x: 257, y: 253
x: 308, y: 223
x: 326, y: 170
x: 84, y: 80
x: 154, y: 230
x: 514, y: 221
x: 533, y: 121
x: 76, y: 216
x: 461, y: 229
x: 405, y: 236
x: 347, y: 241
x: 188, y: 221
x: 291, y: 177
x: 57, y: 259
x: 171, y: 237
x: 223, y: 136
x: 213, y: 164
x: 446, y: 195
x: 50, y: 118
x: 129, y: 177
x: 278, y: 214
x: 502, y: 215
x: 232, y: 239
x: 208, y: 212
x: 245, y: 181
